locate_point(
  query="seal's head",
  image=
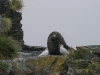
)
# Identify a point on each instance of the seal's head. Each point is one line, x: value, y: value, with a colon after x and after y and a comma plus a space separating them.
x: 54, y: 38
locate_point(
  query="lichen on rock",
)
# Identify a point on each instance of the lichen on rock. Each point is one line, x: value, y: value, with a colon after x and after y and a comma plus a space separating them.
x: 41, y: 65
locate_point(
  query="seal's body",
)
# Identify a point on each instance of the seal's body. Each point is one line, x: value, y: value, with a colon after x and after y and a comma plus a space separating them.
x: 54, y: 41
x: 56, y: 45
x: 53, y: 44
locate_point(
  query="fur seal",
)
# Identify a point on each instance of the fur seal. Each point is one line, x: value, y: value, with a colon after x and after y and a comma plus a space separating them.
x: 54, y: 41
x: 56, y: 45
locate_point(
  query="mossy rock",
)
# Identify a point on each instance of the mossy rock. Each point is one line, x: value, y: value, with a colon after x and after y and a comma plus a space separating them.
x: 46, y: 65
x: 41, y: 65
x: 84, y: 52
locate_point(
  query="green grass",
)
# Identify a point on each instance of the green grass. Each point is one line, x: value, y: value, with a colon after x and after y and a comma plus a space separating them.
x: 6, y: 24
x: 8, y: 48
x: 3, y: 67
x: 16, y: 5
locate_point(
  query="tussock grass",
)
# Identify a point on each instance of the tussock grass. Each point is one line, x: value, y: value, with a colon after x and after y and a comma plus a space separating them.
x: 16, y: 5
x: 6, y: 24
x: 3, y: 67
x: 8, y: 48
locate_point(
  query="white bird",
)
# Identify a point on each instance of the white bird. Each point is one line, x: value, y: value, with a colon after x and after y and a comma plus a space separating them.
x: 45, y: 53
x: 63, y: 51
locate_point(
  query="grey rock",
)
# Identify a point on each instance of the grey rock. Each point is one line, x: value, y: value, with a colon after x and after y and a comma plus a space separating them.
x: 0, y: 19
x: 4, y: 6
x: 95, y: 48
x: 8, y: 63
x: 27, y: 48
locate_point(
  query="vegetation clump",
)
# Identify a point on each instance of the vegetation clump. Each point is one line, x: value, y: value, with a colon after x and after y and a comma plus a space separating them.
x: 8, y: 48
x: 6, y: 24
x: 3, y: 67
x: 16, y: 5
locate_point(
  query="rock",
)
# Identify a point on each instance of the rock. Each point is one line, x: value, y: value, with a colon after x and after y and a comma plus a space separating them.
x: 27, y: 48
x: 76, y: 66
x: 41, y: 65
x: 0, y: 24
x: 94, y: 49
x: 84, y: 52
x: 16, y: 31
x: 11, y: 72
x: 27, y: 64
x: 88, y: 63
x: 4, y: 5
x: 29, y: 54
x: 8, y: 65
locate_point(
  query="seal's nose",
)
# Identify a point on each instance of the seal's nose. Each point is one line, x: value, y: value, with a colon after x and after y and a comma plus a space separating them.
x: 54, y: 36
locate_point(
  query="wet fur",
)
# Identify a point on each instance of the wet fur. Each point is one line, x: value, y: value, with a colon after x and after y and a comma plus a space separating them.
x: 54, y: 41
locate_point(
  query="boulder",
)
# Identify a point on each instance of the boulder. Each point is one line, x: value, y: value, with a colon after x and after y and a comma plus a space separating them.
x: 4, y: 5
x: 49, y: 65
x: 27, y: 48
x: 94, y: 49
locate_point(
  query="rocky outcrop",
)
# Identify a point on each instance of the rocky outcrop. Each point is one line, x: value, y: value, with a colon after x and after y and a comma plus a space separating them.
x: 16, y: 31
x: 27, y: 48
x: 96, y: 50
x: 84, y: 61
x: 3, y: 8
x: 78, y: 62
x: 31, y: 51
x: 4, y: 5
x: 49, y: 65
